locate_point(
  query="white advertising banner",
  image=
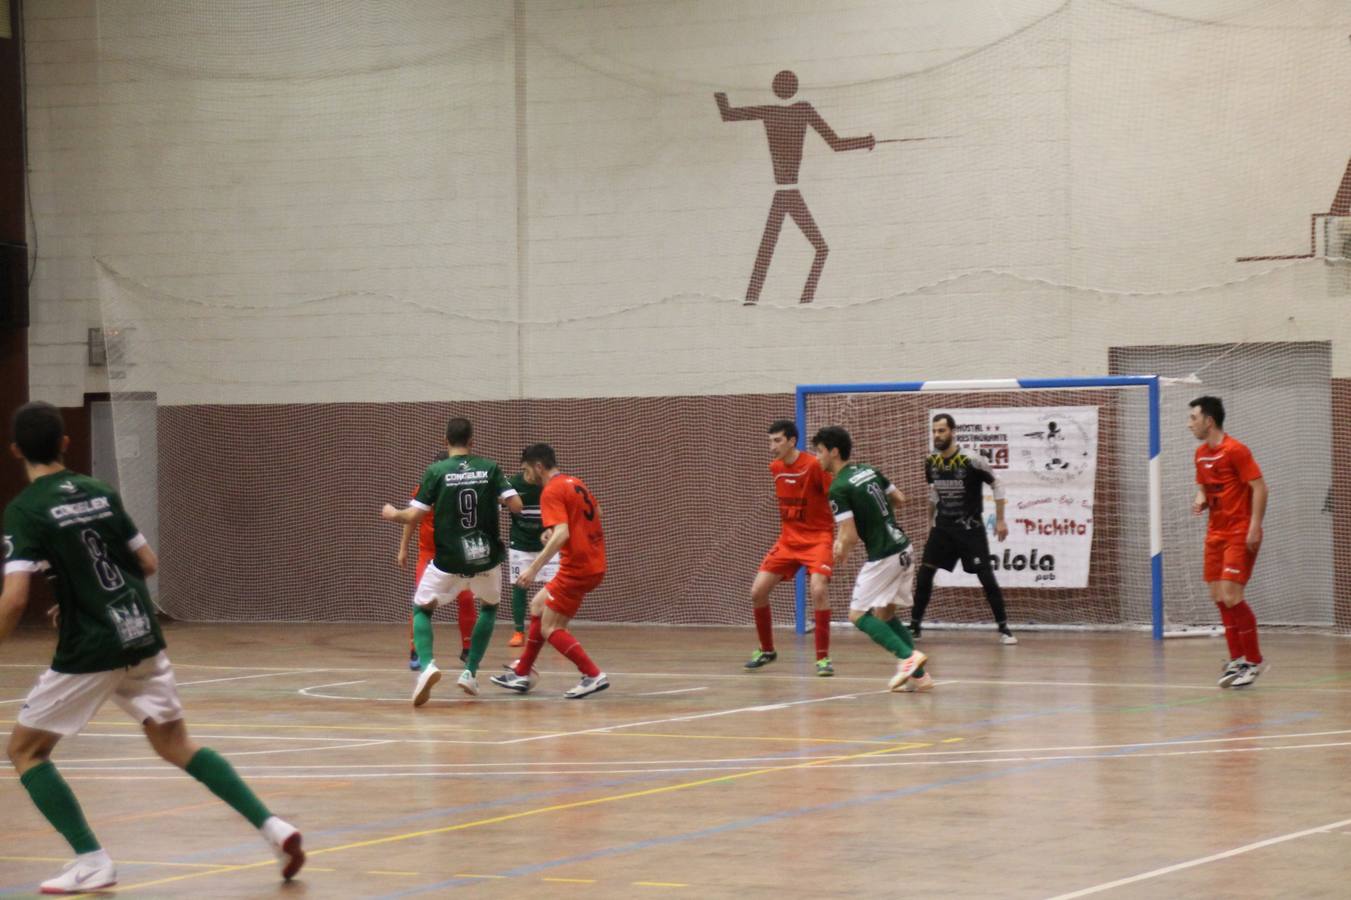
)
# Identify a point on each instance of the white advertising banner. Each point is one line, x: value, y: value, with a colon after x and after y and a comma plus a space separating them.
x: 1046, y: 458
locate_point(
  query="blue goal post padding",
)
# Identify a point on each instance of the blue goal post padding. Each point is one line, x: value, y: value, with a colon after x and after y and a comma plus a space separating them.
x: 1149, y: 382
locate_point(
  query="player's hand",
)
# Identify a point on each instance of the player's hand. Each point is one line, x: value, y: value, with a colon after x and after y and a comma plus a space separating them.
x: 1198, y: 506
x: 527, y: 578
x: 54, y: 616
x: 1001, y: 531
x: 401, y: 558
x: 545, y: 535
x: 1254, y: 538
x: 389, y: 513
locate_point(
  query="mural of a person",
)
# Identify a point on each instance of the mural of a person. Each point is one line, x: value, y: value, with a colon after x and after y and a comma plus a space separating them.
x: 786, y: 128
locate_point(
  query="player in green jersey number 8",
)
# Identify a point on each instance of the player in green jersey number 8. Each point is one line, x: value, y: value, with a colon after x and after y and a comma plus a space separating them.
x: 110, y: 648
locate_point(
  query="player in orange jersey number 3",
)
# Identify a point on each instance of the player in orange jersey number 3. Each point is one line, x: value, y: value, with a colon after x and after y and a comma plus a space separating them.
x: 806, y: 538
x: 1231, y: 487
x: 571, y: 519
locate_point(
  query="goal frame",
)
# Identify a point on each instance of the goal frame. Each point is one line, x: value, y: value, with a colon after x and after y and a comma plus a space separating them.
x: 1150, y: 383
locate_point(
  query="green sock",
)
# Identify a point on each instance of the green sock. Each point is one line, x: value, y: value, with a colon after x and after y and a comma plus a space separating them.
x: 906, y: 638
x: 882, y: 635
x: 483, y: 633
x: 518, y: 607
x: 55, y: 800
x: 212, y: 770
x: 422, y: 635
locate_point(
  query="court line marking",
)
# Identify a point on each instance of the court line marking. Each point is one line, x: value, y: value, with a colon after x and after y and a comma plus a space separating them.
x: 511, y: 817
x: 128, y: 862
x: 677, y: 691
x: 1200, y: 861
x: 232, y: 755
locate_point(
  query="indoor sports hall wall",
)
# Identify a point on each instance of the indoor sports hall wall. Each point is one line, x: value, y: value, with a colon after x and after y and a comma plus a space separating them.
x: 306, y: 226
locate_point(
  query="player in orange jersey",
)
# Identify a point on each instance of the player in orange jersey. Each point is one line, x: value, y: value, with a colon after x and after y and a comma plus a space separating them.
x: 1231, y: 487
x: 571, y: 519
x: 806, y: 539
x: 426, y: 552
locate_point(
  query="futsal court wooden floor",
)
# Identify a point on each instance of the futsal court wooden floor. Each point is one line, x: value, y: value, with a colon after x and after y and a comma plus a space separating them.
x: 1067, y: 766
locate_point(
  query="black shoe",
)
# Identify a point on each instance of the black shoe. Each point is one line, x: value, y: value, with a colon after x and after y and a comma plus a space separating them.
x: 464, y: 655
x: 761, y: 658
x: 914, y: 629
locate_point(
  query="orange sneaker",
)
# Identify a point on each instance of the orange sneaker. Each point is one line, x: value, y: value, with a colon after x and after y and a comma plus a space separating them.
x: 517, y: 639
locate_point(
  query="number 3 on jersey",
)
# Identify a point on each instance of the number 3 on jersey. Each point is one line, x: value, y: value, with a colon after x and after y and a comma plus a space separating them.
x: 590, y: 512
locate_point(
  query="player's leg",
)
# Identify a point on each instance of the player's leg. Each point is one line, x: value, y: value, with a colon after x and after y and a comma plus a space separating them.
x: 564, y: 600
x: 414, y: 663
x: 487, y: 588
x: 818, y: 590
x: 434, y: 587
x: 466, y: 616
x: 778, y: 565
x: 523, y: 675
x: 871, y: 605
x: 1237, y: 570
x: 976, y: 560
x: 58, y: 706
x: 940, y: 552
x: 1213, y: 569
x: 149, y: 694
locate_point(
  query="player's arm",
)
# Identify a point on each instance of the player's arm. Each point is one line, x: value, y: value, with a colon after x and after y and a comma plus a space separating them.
x: 411, y: 515
x: 401, y: 558
x: 145, y: 557
x: 558, y: 536
x: 846, y: 537
x: 13, y: 600
x: 731, y: 113
x: 987, y: 475
x: 1260, y: 492
x: 836, y: 142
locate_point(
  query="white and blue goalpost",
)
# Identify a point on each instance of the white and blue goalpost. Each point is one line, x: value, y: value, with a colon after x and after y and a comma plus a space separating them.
x: 1150, y: 383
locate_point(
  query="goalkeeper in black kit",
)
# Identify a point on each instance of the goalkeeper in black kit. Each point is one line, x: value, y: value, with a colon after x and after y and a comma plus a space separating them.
x: 956, y: 509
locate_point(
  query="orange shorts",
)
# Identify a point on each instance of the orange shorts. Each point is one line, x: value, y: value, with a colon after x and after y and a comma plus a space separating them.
x: 784, y: 559
x: 566, y: 591
x: 1228, y: 559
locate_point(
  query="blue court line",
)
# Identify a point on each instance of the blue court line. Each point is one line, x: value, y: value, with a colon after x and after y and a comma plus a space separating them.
x: 755, y: 821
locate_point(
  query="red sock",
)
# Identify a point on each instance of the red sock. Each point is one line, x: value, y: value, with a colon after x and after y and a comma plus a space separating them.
x: 468, y: 616
x: 568, y: 645
x: 1230, y: 632
x: 534, y: 642
x: 764, y: 626
x: 822, y: 633
x: 1247, y: 630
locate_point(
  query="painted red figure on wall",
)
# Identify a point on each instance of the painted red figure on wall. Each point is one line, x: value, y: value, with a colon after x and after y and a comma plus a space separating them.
x: 786, y: 128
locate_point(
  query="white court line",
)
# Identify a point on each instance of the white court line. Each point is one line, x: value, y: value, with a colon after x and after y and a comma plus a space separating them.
x: 677, y: 691
x: 230, y: 755
x: 1155, y: 873
x: 274, y: 773
x: 690, y: 718
x: 246, y: 677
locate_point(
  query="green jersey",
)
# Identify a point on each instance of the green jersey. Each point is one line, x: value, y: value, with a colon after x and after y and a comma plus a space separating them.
x: 526, y: 526
x: 73, y: 528
x: 859, y: 492
x: 463, y: 493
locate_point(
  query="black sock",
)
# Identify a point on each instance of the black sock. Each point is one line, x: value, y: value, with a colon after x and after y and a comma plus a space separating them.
x: 994, y: 596
x: 924, y: 585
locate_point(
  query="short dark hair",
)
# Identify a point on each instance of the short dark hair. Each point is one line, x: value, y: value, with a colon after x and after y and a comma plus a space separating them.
x: 459, y: 432
x: 833, y: 437
x: 37, y: 428
x: 952, y: 423
x: 785, y: 427
x: 540, y: 453
x: 1210, y: 406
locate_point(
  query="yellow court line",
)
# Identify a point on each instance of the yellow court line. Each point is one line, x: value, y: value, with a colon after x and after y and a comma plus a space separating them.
x: 468, y: 875
x: 558, y: 807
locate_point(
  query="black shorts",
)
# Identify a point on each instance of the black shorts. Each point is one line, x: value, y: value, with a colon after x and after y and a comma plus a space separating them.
x: 948, y: 545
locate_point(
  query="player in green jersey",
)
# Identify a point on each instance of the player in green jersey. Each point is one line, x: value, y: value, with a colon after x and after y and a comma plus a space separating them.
x: 74, y: 529
x: 463, y: 492
x: 864, y: 504
x: 524, y: 542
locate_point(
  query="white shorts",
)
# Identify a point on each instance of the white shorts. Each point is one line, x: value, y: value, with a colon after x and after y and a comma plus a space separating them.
x: 63, y: 703
x: 437, y: 587
x: 885, y: 582
x: 519, y: 560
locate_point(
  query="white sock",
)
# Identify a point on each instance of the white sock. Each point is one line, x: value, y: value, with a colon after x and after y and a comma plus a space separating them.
x: 276, y: 830
x: 97, y: 857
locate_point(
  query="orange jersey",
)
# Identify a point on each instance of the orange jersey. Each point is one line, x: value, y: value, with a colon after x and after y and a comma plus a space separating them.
x: 804, y: 509
x: 565, y: 499
x: 1223, y: 472
x: 426, y: 534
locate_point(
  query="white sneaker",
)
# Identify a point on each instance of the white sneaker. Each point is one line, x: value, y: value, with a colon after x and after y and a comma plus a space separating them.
x: 586, y: 686
x: 285, y: 840
x: 1006, y: 636
x: 513, y: 682
x: 86, y: 872
x: 1232, y: 670
x: 922, y: 684
x: 468, y: 683
x: 1248, y: 674
x: 429, y: 677
x: 905, y: 668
